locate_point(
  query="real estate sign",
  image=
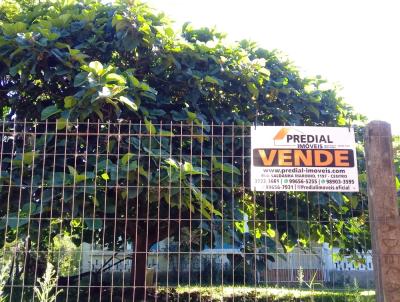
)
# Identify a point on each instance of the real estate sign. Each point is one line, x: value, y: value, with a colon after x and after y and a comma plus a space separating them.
x: 303, y: 159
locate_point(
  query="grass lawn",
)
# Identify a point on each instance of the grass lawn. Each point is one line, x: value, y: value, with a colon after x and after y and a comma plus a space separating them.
x: 234, y: 293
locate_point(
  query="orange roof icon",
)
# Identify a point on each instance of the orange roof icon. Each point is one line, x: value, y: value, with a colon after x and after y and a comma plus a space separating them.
x: 281, y: 134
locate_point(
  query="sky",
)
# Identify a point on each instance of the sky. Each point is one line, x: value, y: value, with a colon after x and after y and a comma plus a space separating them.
x: 353, y: 44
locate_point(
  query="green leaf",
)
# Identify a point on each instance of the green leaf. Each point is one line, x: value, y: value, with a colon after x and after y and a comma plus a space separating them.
x: 337, y: 198
x: 96, y: 67
x: 150, y: 127
x: 314, y: 110
x: 144, y: 86
x: 157, y: 112
x: 172, y: 163
x: 75, y: 223
x: 169, y: 32
x: 80, y: 177
x: 354, y: 200
x: 191, y: 115
x: 189, y: 169
x: 32, y: 208
x: 133, y: 80
x: 61, y: 123
x: 240, y: 226
x: 179, y: 116
x: 270, y: 232
x: 149, y: 95
x: 77, y: 177
x: 49, y: 111
x: 227, y: 168
x: 77, y: 55
x: 309, y: 88
x: 130, y: 166
x: 69, y: 102
x: 204, y: 212
x: 321, y: 237
x: 80, y: 79
x: 252, y: 88
x: 145, y: 28
x: 105, y: 176
x: 14, y: 222
x: 14, y: 70
x: 117, y: 18
x: 11, y: 29
x: 113, y: 77
x: 130, y: 104
x: 125, y: 159
x: 214, y: 80
x: 166, y: 133
x: 143, y: 172
x: 265, y: 72
x: 49, y: 34
x: 28, y: 157
x: 210, y: 207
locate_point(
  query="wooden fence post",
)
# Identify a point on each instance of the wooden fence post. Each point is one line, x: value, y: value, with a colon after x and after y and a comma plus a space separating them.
x: 383, y: 211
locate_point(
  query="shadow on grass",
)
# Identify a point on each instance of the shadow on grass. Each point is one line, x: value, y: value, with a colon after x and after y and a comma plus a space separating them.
x: 228, y: 294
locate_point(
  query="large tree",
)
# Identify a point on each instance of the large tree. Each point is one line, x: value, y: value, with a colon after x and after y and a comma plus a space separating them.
x: 78, y: 61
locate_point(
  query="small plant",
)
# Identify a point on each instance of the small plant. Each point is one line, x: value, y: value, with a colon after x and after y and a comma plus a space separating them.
x: 311, y: 284
x: 46, y: 292
x: 356, y: 289
x: 300, y: 276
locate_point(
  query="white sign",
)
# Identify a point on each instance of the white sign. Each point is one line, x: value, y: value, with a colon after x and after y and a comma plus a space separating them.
x: 303, y: 159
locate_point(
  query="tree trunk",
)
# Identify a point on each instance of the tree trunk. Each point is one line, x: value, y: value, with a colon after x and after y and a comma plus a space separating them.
x: 147, y: 235
x: 139, y: 265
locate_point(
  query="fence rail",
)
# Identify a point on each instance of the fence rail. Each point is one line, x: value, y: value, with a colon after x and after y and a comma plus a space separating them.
x: 131, y: 211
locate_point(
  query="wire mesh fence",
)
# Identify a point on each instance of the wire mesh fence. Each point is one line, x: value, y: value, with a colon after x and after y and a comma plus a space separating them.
x: 164, y: 212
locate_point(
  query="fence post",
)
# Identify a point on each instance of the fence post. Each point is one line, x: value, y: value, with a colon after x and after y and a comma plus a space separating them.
x: 383, y: 211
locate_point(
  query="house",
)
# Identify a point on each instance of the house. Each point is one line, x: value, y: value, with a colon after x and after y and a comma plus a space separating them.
x: 317, y: 264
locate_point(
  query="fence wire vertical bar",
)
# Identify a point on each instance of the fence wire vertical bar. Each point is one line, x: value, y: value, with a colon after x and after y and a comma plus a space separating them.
x: 74, y: 189
x: 232, y: 197
x: 38, y: 237
x: 31, y: 201
x: 211, y: 254
x: 20, y: 181
x: 190, y: 254
x: 159, y: 219
x: 3, y: 139
x: 169, y: 209
x: 92, y: 220
x: 244, y: 192
x: 127, y: 187
x: 27, y: 245
x: 201, y: 192
x: 82, y: 221
x: 134, y: 258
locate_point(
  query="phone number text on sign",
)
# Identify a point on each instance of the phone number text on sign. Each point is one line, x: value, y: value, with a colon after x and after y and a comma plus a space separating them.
x: 303, y: 159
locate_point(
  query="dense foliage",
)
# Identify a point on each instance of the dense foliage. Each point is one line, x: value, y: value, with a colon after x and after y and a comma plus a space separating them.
x: 73, y: 61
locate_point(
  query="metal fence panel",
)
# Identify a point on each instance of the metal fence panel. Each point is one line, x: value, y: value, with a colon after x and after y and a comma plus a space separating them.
x: 122, y: 209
